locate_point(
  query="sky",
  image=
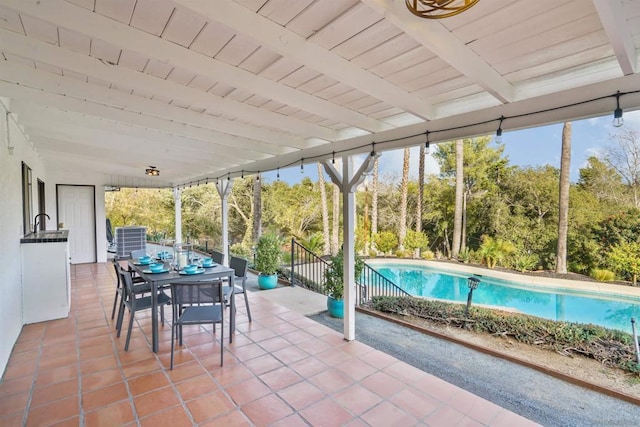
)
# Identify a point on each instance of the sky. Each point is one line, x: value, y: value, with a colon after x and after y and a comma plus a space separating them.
x: 525, y: 148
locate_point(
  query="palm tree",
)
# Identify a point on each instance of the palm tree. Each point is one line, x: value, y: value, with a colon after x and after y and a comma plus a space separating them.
x: 335, y: 241
x: 374, y: 203
x: 404, y: 189
x: 563, y: 217
x: 457, y: 215
x: 423, y: 153
x: 326, y: 237
x: 257, y: 208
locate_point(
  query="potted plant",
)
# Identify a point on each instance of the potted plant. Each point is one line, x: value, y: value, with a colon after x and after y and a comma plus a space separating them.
x: 334, y: 284
x: 268, y: 255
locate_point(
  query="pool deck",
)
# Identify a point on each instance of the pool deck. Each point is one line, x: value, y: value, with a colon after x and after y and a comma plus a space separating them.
x: 551, y: 282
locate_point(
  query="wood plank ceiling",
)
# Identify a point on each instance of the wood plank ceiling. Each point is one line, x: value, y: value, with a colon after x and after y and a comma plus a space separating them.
x: 201, y: 89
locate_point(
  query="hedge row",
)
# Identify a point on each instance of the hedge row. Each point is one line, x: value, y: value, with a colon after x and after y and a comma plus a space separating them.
x: 608, y: 346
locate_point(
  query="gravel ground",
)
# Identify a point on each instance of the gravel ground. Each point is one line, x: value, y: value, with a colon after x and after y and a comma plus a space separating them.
x: 534, y: 395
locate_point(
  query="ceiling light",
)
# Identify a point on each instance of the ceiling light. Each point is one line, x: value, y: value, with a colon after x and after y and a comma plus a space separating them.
x: 437, y: 9
x: 152, y: 171
x: 617, y: 114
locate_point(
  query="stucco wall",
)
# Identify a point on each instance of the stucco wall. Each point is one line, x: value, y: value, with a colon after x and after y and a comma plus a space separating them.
x: 11, y: 226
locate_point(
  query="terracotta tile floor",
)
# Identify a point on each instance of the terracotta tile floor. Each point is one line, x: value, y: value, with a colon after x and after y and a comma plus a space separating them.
x: 282, y: 369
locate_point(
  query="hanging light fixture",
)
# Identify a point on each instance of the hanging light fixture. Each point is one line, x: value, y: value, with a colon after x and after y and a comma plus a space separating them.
x: 617, y: 114
x: 438, y: 9
x: 152, y: 171
x: 427, y: 144
x: 499, y: 131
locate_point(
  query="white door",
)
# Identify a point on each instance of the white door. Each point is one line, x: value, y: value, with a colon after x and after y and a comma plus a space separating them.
x: 77, y: 213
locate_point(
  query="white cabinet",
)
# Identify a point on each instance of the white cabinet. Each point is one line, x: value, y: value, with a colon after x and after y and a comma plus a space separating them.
x: 46, y: 281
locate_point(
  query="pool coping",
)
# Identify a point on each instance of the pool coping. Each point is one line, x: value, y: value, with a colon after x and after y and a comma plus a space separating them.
x: 550, y: 282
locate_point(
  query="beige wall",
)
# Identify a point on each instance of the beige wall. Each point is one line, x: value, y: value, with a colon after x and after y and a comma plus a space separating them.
x: 51, y: 171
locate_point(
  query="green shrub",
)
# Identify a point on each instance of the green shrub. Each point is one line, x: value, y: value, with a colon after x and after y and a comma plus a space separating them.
x: 385, y: 241
x: 268, y: 253
x: 602, y: 275
x: 334, y: 274
x: 608, y: 346
x: 524, y: 261
x: 465, y: 255
x: 428, y: 255
x: 416, y: 240
x: 241, y: 251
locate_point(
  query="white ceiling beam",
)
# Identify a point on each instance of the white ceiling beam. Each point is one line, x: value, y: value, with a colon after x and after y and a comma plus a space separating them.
x: 86, y: 22
x: 439, y: 40
x: 71, y: 87
x: 32, y: 115
x: 291, y: 45
x: 613, y: 20
x: 84, y: 108
x: 217, y: 105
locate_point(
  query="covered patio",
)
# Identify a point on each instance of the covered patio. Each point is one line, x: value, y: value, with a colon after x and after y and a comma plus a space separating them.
x: 282, y: 369
x: 95, y: 92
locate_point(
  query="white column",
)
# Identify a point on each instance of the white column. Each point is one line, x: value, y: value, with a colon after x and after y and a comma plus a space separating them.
x: 348, y: 181
x: 224, y: 189
x: 178, y: 213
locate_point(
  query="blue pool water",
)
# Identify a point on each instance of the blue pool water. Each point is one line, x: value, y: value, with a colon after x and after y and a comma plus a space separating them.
x: 608, y: 310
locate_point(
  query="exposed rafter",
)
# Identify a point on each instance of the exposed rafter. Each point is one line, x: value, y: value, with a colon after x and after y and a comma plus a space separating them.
x: 216, y: 105
x: 439, y: 40
x: 291, y: 45
x: 615, y: 24
x: 86, y: 22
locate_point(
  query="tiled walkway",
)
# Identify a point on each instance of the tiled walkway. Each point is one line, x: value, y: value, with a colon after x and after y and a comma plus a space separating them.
x: 282, y: 369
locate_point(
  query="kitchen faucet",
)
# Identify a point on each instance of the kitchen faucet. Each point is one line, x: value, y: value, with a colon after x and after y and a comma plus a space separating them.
x: 36, y: 223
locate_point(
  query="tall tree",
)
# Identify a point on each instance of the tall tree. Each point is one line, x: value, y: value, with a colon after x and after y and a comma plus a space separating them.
x: 374, y: 201
x: 404, y: 191
x: 422, y: 155
x: 335, y: 236
x: 257, y: 208
x: 326, y: 235
x: 623, y: 154
x: 563, y: 201
x: 456, y: 243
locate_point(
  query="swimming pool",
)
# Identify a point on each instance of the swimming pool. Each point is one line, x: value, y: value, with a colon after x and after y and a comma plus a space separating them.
x: 555, y: 303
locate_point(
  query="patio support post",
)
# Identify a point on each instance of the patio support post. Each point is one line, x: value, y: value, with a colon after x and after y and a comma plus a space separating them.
x: 178, y: 214
x: 224, y: 189
x: 348, y: 182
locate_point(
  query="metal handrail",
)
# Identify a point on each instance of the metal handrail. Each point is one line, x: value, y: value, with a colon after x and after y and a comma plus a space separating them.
x: 307, y: 270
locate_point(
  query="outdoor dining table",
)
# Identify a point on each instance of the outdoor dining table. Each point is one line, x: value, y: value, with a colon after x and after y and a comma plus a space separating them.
x: 161, y: 280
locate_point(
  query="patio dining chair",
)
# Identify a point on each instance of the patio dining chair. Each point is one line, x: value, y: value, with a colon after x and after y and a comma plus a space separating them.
x: 134, y: 302
x: 139, y: 286
x: 197, y: 303
x: 218, y: 257
x: 240, y: 267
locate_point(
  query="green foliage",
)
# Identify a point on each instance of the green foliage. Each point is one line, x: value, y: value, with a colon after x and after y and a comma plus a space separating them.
x: 334, y: 274
x: 624, y: 258
x: 524, y: 261
x: 494, y: 251
x: 241, y: 251
x: 268, y: 253
x: 403, y: 253
x: 428, y: 255
x: 602, y: 275
x: 313, y: 243
x: 465, y: 255
x: 385, y: 241
x: 416, y: 240
x: 608, y: 346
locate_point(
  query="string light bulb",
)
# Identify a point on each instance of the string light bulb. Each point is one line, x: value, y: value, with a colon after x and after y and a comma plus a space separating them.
x: 278, y: 174
x: 373, y: 149
x: 426, y: 144
x: 258, y: 177
x: 617, y: 114
x: 499, y: 131
x: 302, y: 165
x: 333, y: 157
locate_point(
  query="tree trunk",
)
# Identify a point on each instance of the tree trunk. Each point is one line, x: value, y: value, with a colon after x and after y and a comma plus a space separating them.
x: 563, y: 217
x: 463, y: 233
x: 257, y: 208
x: 335, y: 241
x: 423, y: 152
x: 457, y: 215
x: 374, y: 203
x: 326, y: 234
x: 404, y: 189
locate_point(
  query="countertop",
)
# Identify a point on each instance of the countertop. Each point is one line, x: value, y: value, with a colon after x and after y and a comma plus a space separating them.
x: 46, y: 236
